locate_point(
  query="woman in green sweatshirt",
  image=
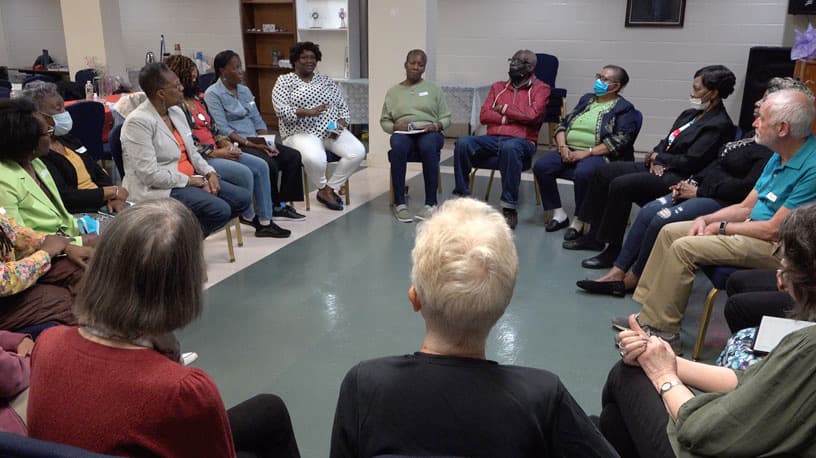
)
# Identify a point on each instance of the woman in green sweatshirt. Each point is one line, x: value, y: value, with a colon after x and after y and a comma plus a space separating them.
x: 415, y: 113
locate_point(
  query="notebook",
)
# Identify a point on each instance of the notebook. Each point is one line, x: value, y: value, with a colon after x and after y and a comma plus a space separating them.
x: 773, y: 329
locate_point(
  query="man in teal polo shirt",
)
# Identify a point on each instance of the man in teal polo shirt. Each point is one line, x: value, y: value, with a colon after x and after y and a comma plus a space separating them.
x: 743, y: 234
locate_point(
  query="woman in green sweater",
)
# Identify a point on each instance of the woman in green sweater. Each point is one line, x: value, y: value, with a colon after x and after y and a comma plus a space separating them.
x: 415, y: 113
x: 768, y: 409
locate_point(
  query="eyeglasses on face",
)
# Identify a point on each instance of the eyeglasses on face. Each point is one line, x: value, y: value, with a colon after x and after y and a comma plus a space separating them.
x: 605, y: 79
x: 515, y: 60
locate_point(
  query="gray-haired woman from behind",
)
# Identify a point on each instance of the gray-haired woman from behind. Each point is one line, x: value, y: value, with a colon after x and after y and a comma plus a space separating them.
x: 127, y: 398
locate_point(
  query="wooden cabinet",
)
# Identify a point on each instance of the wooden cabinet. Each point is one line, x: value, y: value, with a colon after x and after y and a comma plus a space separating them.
x: 805, y: 71
x: 260, y: 47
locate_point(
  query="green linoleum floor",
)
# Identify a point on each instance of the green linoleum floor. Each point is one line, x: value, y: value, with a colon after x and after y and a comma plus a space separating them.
x: 295, y: 322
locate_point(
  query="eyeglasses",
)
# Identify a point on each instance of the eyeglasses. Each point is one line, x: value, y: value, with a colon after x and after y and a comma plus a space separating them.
x: 514, y: 60
x: 48, y: 132
x: 605, y: 79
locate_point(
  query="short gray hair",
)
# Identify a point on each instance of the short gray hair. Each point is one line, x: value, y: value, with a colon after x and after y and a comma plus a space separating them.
x: 464, y: 271
x: 777, y: 84
x: 37, y: 91
x: 147, y: 272
x: 794, y: 107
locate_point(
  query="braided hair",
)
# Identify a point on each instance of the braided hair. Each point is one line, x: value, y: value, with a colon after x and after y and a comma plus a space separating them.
x: 183, y: 67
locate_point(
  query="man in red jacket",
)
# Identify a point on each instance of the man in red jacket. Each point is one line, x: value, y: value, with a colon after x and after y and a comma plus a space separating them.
x: 513, y: 113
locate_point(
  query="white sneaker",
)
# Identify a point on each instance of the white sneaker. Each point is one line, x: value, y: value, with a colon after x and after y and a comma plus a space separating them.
x: 402, y: 214
x: 188, y: 358
x: 426, y: 213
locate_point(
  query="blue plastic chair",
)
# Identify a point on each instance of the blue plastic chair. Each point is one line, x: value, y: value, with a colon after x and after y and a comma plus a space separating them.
x: 546, y: 70
x: 115, y: 142
x: 5, y: 93
x: 85, y: 75
x: 89, y: 121
x: 205, y: 80
x: 718, y: 275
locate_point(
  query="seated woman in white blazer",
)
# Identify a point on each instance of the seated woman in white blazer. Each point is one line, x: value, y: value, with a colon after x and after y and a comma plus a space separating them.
x: 161, y: 159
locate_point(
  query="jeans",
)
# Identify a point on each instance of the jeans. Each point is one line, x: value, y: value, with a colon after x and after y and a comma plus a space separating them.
x: 512, y: 152
x: 252, y: 174
x: 549, y: 167
x: 214, y: 211
x: 427, y: 146
x: 651, y: 218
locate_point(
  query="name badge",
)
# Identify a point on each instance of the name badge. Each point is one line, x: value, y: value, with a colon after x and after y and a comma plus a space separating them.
x: 201, y: 117
x: 771, y: 196
x: 423, y: 93
x: 81, y: 150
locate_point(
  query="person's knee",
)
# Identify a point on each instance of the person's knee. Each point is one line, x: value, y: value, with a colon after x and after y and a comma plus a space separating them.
x: 463, y: 145
x: 686, y: 248
x: 546, y: 166
x: 584, y: 173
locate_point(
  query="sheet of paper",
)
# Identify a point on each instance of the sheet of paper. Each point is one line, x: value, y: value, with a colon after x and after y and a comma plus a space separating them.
x: 773, y: 329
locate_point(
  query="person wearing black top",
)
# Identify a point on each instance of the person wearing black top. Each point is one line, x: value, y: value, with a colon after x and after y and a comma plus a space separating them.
x: 692, y: 144
x: 724, y: 182
x: 448, y: 399
x: 82, y: 184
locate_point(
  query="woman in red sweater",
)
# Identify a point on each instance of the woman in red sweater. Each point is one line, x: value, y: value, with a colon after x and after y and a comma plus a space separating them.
x: 104, y: 387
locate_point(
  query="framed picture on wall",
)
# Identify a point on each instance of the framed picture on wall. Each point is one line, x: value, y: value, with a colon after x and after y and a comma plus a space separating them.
x: 655, y: 13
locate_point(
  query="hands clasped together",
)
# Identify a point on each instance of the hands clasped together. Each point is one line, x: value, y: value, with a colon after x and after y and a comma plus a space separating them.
x: 651, y: 353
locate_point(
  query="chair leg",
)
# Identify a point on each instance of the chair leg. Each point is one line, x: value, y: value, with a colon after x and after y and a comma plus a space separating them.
x: 306, y: 189
x: 537, y: 191
x: 472, y: 178
x: 347, y: 192
x: 238, y: 234
x: 704, y: 319
x: 229, y: 243
x: 391, y: 189
x: 489, y: 185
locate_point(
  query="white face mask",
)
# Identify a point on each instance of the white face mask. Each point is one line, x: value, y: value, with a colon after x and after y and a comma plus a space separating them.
x: 63, y: 123
x: 698, y: 104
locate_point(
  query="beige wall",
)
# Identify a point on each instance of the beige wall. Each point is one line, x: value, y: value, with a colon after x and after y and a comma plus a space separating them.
x: 93, y: 32
x: 394, y: 28
x: 477, y: 36
x: 29, y: 26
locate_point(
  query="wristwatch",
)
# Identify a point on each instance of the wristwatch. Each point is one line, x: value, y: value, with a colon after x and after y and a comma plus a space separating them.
x: 722, y: 227
x: 668, y: 386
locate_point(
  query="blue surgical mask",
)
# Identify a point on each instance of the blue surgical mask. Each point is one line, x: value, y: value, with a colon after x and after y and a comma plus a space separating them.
x: 63, y: 123
x: 601, y: 88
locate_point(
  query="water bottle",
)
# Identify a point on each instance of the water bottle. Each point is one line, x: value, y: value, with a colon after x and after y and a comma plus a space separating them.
x: 89, y: 92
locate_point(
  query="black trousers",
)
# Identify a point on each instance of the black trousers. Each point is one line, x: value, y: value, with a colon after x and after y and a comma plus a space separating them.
x: 612, y: 190
x: 288, y: 165
x: 633, y: 418
x: 751, y: 295
x: 261, y: 427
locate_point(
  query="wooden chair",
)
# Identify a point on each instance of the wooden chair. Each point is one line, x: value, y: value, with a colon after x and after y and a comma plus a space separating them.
x: 718, y: 275
x: 492, y: 163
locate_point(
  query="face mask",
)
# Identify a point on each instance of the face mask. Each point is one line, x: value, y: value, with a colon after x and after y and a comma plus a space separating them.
x: 63, y: 123
x: 601, y: 88
x: 517, y: 74
x: 698, y: 104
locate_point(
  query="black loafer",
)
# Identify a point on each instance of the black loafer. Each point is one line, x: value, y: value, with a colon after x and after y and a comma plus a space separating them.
x: 288, y: 213
x: 572, y: 234
x: 584, y: 243
x: 330, y: 204
x: 555, y: 225
x: 609, y: 288
x: 272, y: 230
x: 596, y: 262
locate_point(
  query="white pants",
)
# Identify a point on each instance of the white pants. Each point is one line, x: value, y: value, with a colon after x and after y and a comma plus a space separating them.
x: 313, y: 153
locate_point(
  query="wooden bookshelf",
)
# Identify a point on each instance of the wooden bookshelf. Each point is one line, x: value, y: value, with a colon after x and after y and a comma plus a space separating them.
x: 261, y: 74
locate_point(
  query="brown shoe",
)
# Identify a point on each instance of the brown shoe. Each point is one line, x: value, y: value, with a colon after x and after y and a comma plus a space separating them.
x: 327, y: 197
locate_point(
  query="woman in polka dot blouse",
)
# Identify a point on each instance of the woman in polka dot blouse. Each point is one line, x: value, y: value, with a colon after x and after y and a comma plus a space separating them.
x: 313, y: 117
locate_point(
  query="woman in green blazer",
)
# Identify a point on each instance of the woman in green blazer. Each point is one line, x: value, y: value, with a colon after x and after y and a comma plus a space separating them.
x: 27, y: 191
